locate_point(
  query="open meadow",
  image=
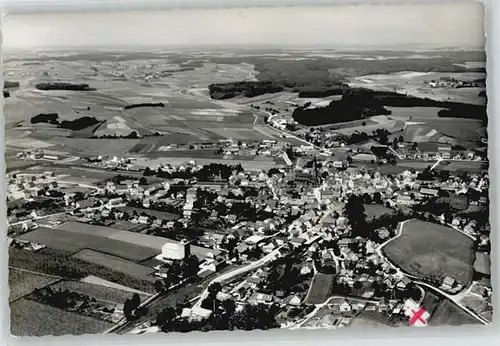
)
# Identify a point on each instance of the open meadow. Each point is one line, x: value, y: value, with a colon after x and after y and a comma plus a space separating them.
x: 23, y: 282
x: 374, y: 211
x: 115, y: 263
x: 30, y: 318
x: 101, y: 293
x: 432, y: 252
x: 60, y: 239
x: 413, y: 83
x: 62, y: 264
x: 321, y: 288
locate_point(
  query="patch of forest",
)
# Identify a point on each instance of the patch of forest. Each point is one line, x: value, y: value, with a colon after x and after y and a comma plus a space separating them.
x: 355, y: 104
x: 361, y: 103
x: 222, y: 91
x: 10, y: 84
x: 75, y: 125
x: 325, y: 76
x: 138, y: 105
x: 64, y: 86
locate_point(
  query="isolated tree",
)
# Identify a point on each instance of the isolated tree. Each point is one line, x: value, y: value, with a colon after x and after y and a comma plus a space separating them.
x: 166, y: 317
x: 383, y: 138
x: 358, y: 285
x: 213, y: 289
x: 128, y: 309
x: 190, y: 266
x: 229, y: 306
x: 158, y: 286
x: 136, y: 301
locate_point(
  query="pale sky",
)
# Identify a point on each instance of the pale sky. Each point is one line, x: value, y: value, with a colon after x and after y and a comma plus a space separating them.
x: 431, y: 25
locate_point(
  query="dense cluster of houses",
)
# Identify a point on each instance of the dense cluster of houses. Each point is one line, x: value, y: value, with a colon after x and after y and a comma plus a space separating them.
x: 297, y: 209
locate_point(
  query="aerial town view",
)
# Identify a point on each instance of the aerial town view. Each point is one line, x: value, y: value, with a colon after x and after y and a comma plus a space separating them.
x: 157, y: 189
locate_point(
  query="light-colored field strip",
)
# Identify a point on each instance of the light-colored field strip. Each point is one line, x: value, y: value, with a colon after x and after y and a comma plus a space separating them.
x: 91, y: 279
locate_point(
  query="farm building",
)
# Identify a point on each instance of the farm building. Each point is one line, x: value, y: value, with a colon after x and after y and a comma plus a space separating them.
x: 177, y: 251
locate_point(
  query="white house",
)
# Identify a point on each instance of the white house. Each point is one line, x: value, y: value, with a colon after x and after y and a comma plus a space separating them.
x: 345, y: 307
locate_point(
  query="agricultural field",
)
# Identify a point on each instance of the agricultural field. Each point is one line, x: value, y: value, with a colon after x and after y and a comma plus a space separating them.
x: 374, y: 211
x: 94, y: 280
x: 61, y: 263
x: 467, y: 166
x: 412, y: 83
x: 182, y: 91
x: 128, y: 226
x: 115, y: 263
x: 448, y: 313
x: 444, y: 312
x: 320, y: 290
x: 83, y: 228
x: 22, y: 282
x: 414, y: 114
x: 101, y: 293
x: 30, y: 318
x: 392, y: 126
x: 373, y: 319
x: 73, y: 242
x: 432, y: 252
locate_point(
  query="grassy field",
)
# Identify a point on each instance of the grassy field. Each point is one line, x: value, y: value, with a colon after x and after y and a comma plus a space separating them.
x: 412, y: 83
x: 321, y: 287
x: 444, y: 312
x: 420, y: 113
x: 448, y: 313
x: 374, y: 211
x: 101, y: 293
x: 61, y: 263
x: 70, y: 241
x: 94, y: 280
x: 29, y: 318
x: 83, y: 228
x: 372, y: 319
x: 432, y: 252
x: 128, y: 226
x: 115, y: 263
x: 23, y: 282
x: 482, y: 264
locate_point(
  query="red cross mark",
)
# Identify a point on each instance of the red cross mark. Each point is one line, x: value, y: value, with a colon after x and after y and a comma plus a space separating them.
x: 417, y: 317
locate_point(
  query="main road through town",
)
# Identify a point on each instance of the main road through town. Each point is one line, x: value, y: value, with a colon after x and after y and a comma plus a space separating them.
x: 252, y: 266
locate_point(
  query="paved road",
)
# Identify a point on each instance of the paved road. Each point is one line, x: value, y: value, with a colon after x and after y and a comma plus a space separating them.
x: 252, y: 266
x: 319, y: 306
x: 229, y: 275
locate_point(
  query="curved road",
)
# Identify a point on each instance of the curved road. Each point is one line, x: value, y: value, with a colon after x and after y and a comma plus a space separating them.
x: 319, y: 306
